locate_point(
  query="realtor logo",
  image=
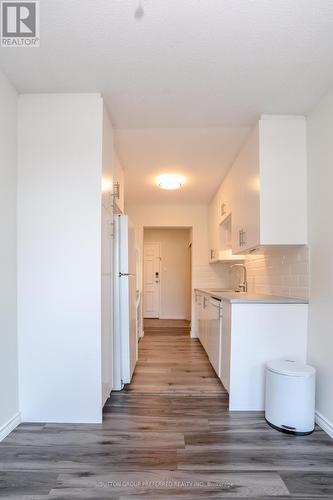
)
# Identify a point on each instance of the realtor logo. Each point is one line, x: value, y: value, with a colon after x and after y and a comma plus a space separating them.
x: 19, y: 23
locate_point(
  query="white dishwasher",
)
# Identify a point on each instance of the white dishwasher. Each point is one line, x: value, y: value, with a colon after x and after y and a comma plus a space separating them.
x: 214, y: 333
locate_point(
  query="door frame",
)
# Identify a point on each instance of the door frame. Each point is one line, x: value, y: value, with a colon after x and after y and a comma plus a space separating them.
x: 172, y: 225
x: 160, y: 276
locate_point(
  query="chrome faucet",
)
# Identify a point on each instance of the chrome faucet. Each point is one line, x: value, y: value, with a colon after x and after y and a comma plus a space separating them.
x: 242, y: 286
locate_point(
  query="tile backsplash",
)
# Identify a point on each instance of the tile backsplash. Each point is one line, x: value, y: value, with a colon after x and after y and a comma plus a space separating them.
x: 211, y: 276
x: 282, y: 270
x: 279, y: 271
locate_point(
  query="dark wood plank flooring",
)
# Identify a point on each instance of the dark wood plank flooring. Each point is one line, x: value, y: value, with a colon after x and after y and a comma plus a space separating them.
x: 168, y: 434
x: 171, y: 363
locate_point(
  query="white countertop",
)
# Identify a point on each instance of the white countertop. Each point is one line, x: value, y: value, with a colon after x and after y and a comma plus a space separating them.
x: 249, y: 298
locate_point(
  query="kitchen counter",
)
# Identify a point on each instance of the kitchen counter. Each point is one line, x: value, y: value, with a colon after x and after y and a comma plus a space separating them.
x: 242, y: 335
x: 249, y: 297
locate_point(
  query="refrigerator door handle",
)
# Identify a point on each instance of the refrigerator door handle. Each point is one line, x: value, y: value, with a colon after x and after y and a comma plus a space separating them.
x: 125, y: 274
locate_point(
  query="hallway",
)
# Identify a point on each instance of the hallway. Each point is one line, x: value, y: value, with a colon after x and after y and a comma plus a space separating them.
x: 166, y: 435
x: 170, y: 362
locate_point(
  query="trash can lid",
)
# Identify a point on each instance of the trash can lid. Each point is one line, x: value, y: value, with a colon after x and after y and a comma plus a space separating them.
x: 290, y: 367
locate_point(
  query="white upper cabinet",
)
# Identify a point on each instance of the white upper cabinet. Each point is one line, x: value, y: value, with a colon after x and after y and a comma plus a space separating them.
x: 213, y: 228
x: 265, y: 190
x: 224, y: 200
x: 112, y: 168
x: 119, y: 181
x: 283, y: 180
x: 220, y: 228
x: 246, y: 204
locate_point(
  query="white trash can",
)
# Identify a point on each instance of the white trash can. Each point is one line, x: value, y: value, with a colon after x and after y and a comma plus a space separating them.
x: 290, y: 396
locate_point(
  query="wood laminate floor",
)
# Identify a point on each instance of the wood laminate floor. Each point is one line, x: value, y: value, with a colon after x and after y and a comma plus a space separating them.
x: 169, y: 434
x: 166, y: 323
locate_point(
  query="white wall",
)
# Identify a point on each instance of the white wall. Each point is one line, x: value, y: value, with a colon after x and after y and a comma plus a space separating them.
x: 195, y: 216
x: 320, y: 182
x: 8, y: 333
x: 174, y: 271
x: 59, y: 257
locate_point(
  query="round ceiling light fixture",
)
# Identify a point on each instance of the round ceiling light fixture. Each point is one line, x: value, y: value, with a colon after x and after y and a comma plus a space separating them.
x: 170, y: 181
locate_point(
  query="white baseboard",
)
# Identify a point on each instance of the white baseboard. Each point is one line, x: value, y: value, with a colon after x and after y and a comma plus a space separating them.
x: 9, y: 426
x: 324, y: 424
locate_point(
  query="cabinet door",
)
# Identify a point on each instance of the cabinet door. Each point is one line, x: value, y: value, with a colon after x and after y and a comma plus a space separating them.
x: 246, y: 206
x: 213, y: 228
x: 283, y: 191
x: 198, y: 315
x: 225, y: 347
x: 213, y: 341
x: 224, y: 207
x: 119, y: 180
x: 205, y: 322
x: 209, y: 329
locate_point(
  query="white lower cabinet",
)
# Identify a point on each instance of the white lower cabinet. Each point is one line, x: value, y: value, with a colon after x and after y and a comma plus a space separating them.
x: 225, y: 351
x: 203, y: 326
x: 239, y: 338
x: 213, y: 332
x: 198, y: 314
x: 209, y: 327
x: 252, y: 335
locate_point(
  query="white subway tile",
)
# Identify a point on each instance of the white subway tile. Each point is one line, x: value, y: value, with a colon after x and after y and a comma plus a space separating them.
x: 278, y: 271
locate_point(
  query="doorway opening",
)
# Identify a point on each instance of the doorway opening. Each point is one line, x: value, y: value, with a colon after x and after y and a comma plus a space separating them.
x: 167, y: 276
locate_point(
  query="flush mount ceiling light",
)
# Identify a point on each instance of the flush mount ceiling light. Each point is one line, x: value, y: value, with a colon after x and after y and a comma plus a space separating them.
x: 170, y: 181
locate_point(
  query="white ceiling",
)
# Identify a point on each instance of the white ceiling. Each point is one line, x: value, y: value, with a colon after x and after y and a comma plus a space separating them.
x: 184, y: 82
x: 200, y: 155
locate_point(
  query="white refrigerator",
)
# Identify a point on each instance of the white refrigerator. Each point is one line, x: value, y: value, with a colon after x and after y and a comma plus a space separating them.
x: 125, y: 330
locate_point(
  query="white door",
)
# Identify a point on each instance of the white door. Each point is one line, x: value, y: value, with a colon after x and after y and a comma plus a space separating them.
x: 127, y: 280
x: 133, y: 347
x: 151, y: 280
x: 125, y: 339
